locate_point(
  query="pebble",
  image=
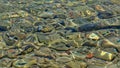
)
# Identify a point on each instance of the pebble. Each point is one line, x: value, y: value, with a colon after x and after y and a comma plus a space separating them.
x: 47, y: 28
x: 99, y: 8
x: 93, y: 36
x: 46, y: 15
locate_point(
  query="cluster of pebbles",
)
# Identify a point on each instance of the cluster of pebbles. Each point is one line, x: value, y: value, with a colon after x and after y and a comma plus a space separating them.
x: 59, y: 34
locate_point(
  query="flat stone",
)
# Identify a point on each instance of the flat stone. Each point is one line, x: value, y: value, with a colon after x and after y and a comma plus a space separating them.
x: 63, y: 59
x: 76, y: 64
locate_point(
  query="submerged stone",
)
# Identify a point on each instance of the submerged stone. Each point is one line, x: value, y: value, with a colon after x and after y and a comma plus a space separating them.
x: 3, y: 28
x: 104, y: 55
x: 104, y: 15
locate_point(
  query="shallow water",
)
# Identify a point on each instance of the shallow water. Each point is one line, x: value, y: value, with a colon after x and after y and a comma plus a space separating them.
x: 59, y: 33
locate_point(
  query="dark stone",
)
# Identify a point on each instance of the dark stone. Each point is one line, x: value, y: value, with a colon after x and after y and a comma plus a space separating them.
x: 3, y: 28
x: 39, y: 28
x: 96, y: 26
x: 62, y: 23
x: 55, y: 16
x: 104, y: 15
x: 88, y: 27
x: 71, y: 28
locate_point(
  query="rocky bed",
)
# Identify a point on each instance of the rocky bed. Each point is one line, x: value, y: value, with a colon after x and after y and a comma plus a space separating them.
x: 59, y: 34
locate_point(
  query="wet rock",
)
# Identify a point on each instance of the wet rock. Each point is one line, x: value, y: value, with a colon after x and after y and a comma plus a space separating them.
x: 26, y: 27
x: 19, y: 63
x: 46, y: 63
x: 62, y: 16
x: 113, y: 66
x: 104, y: 55
x: 89, y: 27
x: 5, y: 25
x: 79, y: 21
x: 96, y: 26
x: 73, y: 36
x: 90, y: 44
x: 93, y: 36
x: 116, y: 10
x: 44, y: 52
x: 5, y: 62
x: 62, y: 22
x: 5, y: 8
x: 96, y: 66
x: 63, y: 59
x: 2, y: 53
x: 43, y: 38
x: 71, y: 23
x: 15, y: 14
x: 3, y: 44
x: 29, y: 29
x: 21, y: 36
x: 10, y: 39
x: 49, y: 39
x: 107, y: 43
x: 105, y: 15
x: 58, y: 26
x: 71, y: 29
x: 39, y: 28
x: 78, y: 56
x: 85, y: 11
x: 108, y: 33
x: 35, y: 66
x: 115, y: 1
x: 99, y: 8
x: 73, y: 43
x: 24, y: 63
x: 27, y: 49
x: 73, y: 14
x: 76, y: 64
x: 3, y: 28
x: 47, y: 28
x: 60, y: 46
x: 118, y: 64
x: 12, y: 53
x: 110, y: 42
x: 46, y: 15
x: 31, y: 38
x: 91, y: 1
x: 111, y: 50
